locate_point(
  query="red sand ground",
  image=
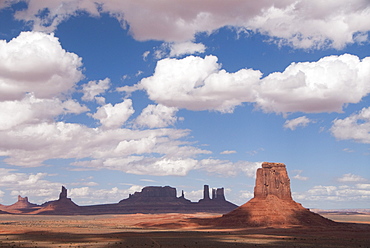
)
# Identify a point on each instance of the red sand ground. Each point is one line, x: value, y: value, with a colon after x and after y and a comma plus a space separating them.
x: 168, y: 230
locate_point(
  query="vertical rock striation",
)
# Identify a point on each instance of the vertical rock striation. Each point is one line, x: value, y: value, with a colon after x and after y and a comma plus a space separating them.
x: 272, y: 179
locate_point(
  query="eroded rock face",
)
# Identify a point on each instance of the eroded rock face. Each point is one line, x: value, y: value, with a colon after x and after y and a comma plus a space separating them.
x: 272, y: 204
x: 272, y: 179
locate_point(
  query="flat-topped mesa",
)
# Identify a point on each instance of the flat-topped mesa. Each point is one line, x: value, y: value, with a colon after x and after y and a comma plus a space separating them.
x: 272, y: 179
x: 154, y: 193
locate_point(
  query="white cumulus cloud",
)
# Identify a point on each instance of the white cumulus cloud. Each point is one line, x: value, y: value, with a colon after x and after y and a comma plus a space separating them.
x: 350, y: 178
x: 228, y: 152
x: 36, y: 63
x: 31, y: 110
x: 355, y: 127
x: 197, y: 83
x: 301, y: 178
x: 36, y: 78
x: 186, y: 48
x: 294, y: 123
x: 178, y: 49
x: 94, y: 88
x: 154, y: 116
x: 228, y: 168
x: 35, y: 186
x: 114, y: 116
x: 312, y: 87
x: 88, y: 195
x: 140, y: 165
x: 152, y: 151
x: 358, y: 193
x: 298, y: 23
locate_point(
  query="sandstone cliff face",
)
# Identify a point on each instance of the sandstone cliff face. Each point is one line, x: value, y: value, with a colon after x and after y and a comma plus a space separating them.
x: 272, y: 204
x: 272, y: 179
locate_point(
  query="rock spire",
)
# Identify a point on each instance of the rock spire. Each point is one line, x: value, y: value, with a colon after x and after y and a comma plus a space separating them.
x: 206, y: 193
x: 63, y: 193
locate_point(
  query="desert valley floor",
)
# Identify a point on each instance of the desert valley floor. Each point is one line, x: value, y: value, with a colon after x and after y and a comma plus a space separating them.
x: 270, y: 219
x: 171, y: 230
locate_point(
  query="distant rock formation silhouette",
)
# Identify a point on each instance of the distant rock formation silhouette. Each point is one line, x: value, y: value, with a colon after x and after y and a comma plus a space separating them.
x: 63, y: 193
x: 153, y: 194
x: 21, y: 206
x: 151, y: 199
x: 206, y: 193
x: 62, y: 206
x: 22, y: 203
x: 164, y: 200
x: 272, y: 204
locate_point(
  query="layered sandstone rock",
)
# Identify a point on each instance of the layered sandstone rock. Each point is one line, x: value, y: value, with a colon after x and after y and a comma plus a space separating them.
x: 272, y: 204
x: 272, y: 179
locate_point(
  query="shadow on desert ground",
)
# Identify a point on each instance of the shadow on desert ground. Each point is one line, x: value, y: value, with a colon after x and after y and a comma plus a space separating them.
x: 165, y: 230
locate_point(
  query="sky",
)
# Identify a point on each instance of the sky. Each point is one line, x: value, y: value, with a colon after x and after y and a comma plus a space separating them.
x: 106, y: 97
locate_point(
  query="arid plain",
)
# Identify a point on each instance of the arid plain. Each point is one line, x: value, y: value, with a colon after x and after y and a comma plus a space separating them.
x: 270, y: 219
x: 171, y: 230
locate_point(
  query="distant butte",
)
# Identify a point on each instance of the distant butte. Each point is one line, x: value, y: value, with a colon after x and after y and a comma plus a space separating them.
x: 272, y: 204
x: 155, y: 199
x: 21, y: 206
x: 151, y: 199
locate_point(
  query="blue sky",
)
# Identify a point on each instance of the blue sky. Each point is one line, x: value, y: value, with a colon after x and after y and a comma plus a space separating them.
x: 107, y: 97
